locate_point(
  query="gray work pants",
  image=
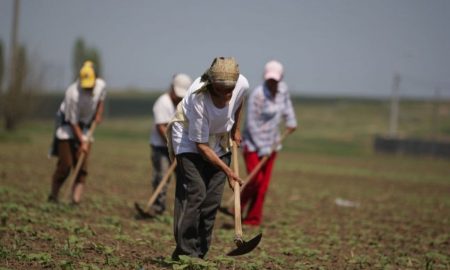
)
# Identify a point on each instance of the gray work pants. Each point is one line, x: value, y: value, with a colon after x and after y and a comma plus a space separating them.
x: 199, y: 190
x: 160, y: 164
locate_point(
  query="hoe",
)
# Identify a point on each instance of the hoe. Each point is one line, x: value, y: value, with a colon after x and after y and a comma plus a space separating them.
x: 242, y: 247
x: 146, y: 213
x: 224, y: 209
x: 74, y: 173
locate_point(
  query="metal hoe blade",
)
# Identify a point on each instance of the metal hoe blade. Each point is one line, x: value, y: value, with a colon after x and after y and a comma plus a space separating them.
x: 141, y: 212
x: 148, y: 213
x: 244, y: 247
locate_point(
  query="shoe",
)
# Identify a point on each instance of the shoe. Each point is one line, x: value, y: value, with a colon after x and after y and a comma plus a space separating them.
x: 226, y: 211
x: 156, y: 211
x: 142, y: 214
x: 251, y: 223
x: 52, y: 199
x: 74, y: 204
x: 227, y: 226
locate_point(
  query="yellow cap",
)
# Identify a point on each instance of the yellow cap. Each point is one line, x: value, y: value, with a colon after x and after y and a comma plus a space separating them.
x: 87, y: 75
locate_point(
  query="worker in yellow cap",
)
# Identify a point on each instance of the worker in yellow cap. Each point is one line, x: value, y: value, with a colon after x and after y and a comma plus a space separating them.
x: 83, y: 104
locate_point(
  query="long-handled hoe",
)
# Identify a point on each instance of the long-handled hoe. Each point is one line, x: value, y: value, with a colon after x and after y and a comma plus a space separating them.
x: 74, y: 172
x: 224, y: 209
x: 146, y: 213
x: 242, y: 247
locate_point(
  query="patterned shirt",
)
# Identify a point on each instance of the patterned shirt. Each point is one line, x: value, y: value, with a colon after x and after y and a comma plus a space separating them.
x: 264, y: 114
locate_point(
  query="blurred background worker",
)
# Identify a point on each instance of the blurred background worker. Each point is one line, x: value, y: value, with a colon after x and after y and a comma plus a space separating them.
x: 82, y: 105
x: 163, y: 111
x: 268, y: 105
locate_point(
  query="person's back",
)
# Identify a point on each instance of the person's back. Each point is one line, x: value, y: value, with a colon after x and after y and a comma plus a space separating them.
x: 163, y: 111
x: 218, y: 118
x: 80, y: 106
x: 264, y: 115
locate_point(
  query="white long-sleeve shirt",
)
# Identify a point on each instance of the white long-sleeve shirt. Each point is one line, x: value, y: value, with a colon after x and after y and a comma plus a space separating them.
x: 79, y: 105
x: 205, y: 119
x: 163, y: 111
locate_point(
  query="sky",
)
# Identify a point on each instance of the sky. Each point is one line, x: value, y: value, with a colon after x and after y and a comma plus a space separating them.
x: 328, y: 47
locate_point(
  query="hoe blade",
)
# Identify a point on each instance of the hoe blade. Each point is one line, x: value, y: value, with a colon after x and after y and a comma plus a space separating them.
x: 141, y: 213
x: 245, y: 247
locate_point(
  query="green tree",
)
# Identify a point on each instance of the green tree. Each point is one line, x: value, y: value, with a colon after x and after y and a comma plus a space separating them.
x: 16, y: 101
x: 2, y: 73
x: 21, y: 68
x: 82, y: 53
x: 2, y: 66
x: 78, y: 56
x: 93, y: 55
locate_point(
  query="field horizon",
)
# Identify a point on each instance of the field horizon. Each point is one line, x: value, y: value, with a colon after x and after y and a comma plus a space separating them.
x: 333, y: 202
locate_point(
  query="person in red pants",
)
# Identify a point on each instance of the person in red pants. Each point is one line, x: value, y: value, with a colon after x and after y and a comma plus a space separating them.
x: 268, y: 105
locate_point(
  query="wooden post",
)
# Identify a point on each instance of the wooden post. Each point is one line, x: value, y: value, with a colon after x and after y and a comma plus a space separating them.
x: 14, y: 49
x: 393, y: 121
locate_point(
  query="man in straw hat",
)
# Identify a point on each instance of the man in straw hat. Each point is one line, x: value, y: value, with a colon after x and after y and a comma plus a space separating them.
x: 163, y: 111
x: 199, y: 137
x: 82, y: 105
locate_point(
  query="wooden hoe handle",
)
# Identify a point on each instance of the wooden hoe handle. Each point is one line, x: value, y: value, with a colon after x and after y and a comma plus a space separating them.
x: 161, y: 184
x: 75, y: 171
x: 237, y: 199
x: 258, y: 167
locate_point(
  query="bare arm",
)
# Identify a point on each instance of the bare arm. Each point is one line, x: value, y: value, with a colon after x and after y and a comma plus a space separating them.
x: 99, y: 112
x: 161, y: 128
x: 236, y: 130
x: 212, y: 157
x: 291, y: 129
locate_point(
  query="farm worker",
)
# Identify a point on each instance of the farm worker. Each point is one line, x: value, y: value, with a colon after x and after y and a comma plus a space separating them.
x: 268, y: 105
x: 83, y: 104
x: 199, y: 137
x: 163, y: 111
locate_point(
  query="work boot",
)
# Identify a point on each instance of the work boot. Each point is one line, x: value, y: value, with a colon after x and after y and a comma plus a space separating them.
x: 74, y: 204
x: 156, y: 211
x: 226, y: 211
x: 52, y: 199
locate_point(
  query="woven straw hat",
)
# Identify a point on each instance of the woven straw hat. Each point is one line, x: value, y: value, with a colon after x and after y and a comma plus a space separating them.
x: 224, y: 70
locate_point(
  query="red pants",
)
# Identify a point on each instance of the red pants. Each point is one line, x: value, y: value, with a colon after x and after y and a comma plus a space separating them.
x: 254, y: 192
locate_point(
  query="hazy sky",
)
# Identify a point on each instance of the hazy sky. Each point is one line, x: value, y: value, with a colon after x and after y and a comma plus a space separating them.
x: 327, y: 47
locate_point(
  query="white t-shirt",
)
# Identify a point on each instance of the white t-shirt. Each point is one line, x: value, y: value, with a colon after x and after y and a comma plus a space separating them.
x: 163, y: 111
x: 205, y: 119
x: 79, y: 105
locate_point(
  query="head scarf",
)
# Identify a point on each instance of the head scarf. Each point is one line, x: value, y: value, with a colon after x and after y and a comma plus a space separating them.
x: 223, y: 70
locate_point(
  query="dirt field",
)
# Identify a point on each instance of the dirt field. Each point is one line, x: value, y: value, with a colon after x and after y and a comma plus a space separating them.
x: 332, y: 203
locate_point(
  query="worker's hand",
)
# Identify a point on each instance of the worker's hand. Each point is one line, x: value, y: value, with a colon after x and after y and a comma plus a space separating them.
x: 237, y: 138
x: 264, y: 151
x: 232, y: 178
x: 84, y: 147
x: 98, y: 119
x: 290, y: 129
